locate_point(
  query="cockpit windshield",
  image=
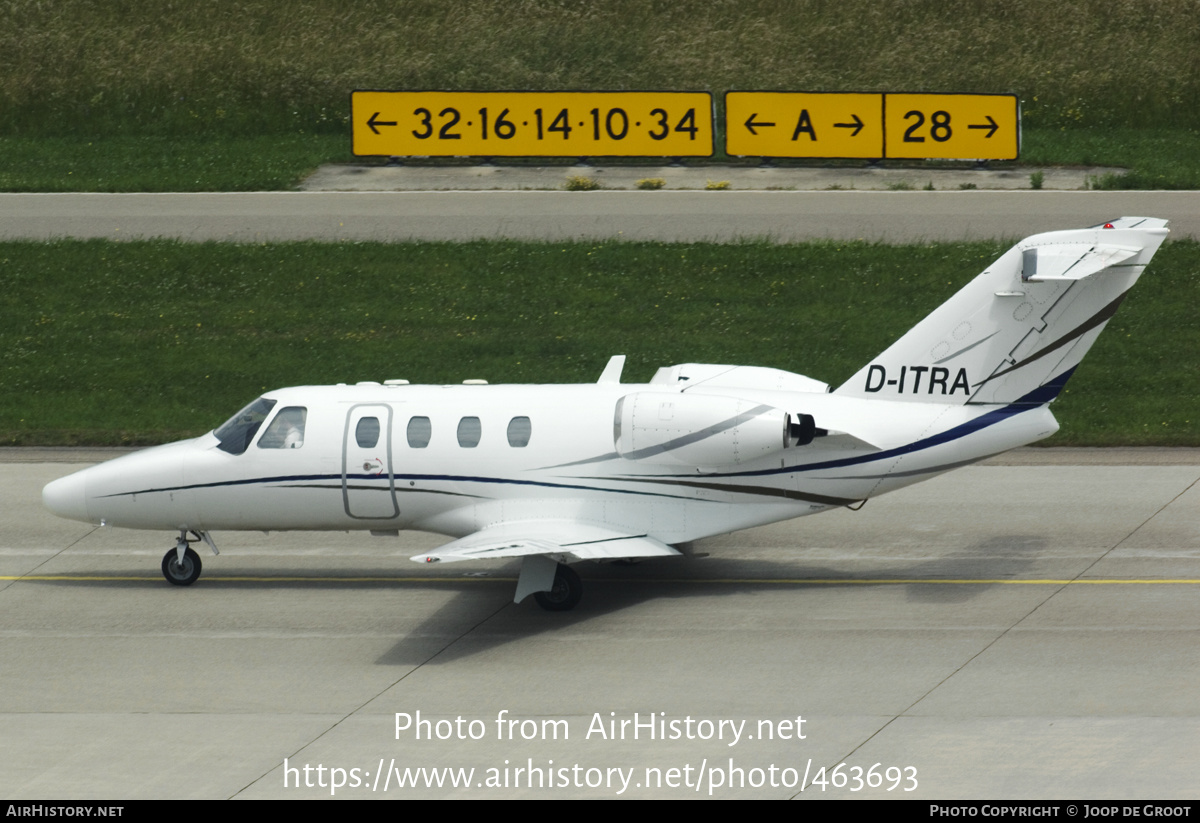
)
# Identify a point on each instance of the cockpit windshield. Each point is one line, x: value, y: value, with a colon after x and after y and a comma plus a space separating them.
x: 239, y: 430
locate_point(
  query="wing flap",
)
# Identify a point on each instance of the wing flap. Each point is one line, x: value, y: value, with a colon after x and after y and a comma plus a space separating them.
x: 568, y: 541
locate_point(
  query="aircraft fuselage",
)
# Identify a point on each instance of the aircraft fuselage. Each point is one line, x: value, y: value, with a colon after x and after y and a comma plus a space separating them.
x: 443, y: 461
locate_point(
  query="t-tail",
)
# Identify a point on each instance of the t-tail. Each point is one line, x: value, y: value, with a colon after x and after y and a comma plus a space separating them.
x: 1015, y: 333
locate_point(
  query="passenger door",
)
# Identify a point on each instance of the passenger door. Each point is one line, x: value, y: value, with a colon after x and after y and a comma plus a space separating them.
x: 368, y: 479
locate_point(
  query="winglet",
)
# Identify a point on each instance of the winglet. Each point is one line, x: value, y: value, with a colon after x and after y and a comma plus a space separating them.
x: 612, y: 372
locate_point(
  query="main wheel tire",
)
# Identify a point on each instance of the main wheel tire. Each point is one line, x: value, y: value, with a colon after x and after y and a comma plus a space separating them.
x: 181, y: 574
x: 566, y: 592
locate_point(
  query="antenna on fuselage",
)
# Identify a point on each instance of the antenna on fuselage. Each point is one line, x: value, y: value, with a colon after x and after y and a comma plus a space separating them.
x: 612, y: 372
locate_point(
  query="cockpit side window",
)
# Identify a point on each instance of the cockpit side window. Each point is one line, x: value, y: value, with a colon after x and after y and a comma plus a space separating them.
x: 286, y: 430
x: 239, y: 430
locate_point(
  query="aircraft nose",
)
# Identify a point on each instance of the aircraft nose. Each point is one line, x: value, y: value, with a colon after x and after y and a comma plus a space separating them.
x: 67, y: 497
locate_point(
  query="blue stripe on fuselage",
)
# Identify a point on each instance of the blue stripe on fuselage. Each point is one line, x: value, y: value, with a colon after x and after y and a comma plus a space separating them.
x: 1034, y: 400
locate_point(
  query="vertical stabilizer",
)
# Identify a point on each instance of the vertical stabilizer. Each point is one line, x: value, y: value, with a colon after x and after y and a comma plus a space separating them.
x: 1016, y: 332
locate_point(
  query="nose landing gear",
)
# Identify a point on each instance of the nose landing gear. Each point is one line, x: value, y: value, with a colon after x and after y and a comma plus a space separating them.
x: 181, y: 572
x: 181, y: 566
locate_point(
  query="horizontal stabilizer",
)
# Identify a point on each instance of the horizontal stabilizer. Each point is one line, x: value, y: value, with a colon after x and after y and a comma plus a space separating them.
x: 1132, y: 223
x: 1071, y: 261
x: 568, y: 540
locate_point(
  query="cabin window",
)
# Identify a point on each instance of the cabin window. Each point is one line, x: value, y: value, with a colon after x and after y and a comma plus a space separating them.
x: 419, y: 432
x: 469, y: 432
x: 519, y: 429
x: 366, y: 433
x: 286, y: 430
x: 237, y: 432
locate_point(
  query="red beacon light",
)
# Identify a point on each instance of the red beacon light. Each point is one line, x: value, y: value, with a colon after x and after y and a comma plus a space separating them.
x: 1109, y: 226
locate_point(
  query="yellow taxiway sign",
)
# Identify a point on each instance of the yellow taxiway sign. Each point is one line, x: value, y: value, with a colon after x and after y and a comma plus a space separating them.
x: 953, y: 126
x: 872, y: 126
x: 532, y: 124
x: 803, y: 124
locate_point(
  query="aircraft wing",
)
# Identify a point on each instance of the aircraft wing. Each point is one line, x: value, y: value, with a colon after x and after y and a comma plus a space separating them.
x: 566, y: 540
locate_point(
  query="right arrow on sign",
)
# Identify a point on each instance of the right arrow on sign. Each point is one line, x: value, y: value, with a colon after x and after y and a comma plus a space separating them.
x: 991, y: 126
x: 857, y: 125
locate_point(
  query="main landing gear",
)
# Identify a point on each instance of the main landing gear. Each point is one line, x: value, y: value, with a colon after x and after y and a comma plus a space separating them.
x: 181, y: 565
x: 566, y: 592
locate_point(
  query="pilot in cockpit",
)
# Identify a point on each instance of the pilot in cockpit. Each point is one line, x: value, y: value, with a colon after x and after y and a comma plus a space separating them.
x: 286, y: 430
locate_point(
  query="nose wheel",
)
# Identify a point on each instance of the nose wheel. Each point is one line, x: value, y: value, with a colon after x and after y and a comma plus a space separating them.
x: 181, y: 572
x: 181, y: 565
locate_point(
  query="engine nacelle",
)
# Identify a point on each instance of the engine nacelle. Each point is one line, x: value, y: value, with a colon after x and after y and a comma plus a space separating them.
x: 699, y: 430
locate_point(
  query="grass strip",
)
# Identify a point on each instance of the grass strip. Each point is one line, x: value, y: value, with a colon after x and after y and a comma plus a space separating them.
x: 142, y: 342
x: 129, y: 96
x: 152, y: 163
x: 1156, y: 158
x: 251, y: 66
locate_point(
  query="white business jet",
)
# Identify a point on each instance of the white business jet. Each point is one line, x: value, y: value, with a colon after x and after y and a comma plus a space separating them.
x: 603, y: 471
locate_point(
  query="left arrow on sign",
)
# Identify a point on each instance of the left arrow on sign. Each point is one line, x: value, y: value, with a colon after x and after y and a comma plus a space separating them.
x: 751, y: 125
x: 375, y: 121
